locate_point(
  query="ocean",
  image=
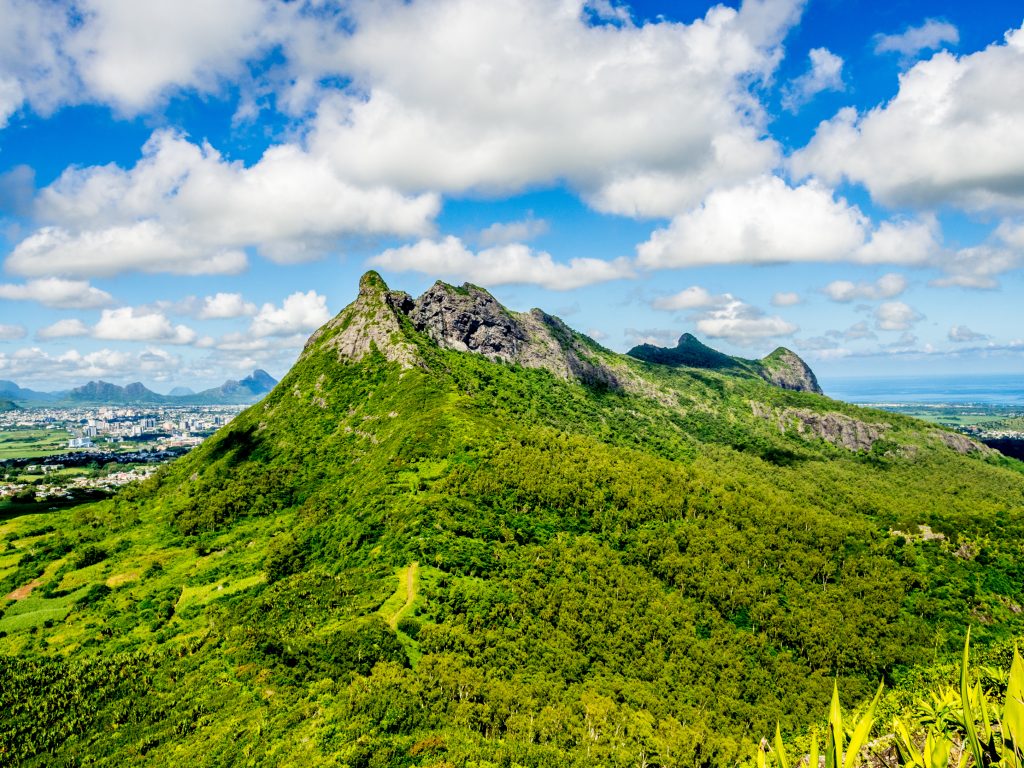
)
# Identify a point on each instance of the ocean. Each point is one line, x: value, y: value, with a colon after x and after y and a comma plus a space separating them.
x: 996, y: 389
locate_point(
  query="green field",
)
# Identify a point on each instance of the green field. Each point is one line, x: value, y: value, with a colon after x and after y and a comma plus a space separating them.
x: 989, y: 417
x: 29, y: 443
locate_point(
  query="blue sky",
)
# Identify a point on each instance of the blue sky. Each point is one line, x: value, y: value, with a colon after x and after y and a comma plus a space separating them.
x: 188, y: 189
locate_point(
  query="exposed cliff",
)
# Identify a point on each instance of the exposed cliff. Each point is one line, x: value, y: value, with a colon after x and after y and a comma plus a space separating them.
x: 785, y: 369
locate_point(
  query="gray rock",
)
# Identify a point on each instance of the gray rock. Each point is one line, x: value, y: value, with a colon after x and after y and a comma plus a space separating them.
x: 784, y: 368
x: 836, y: 428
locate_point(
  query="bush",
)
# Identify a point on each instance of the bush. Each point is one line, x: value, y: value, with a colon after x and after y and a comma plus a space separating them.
x: 90, y: 556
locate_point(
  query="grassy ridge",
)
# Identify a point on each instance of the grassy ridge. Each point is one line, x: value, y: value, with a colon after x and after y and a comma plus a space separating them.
x: 603, y: 577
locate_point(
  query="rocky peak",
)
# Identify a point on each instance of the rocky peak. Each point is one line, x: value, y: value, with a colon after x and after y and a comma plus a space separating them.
x: 468, y: 319
x: 370, y: 322
x: 784, y: 368
x: 464, y: 318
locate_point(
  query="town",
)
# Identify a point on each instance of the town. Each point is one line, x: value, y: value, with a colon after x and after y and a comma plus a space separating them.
x: 80, y: 453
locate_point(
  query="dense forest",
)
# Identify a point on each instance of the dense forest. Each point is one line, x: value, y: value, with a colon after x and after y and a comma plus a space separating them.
x: 472, y: 563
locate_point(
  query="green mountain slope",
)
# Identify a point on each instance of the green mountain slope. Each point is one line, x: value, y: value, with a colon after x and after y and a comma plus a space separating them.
x: 458, y: 535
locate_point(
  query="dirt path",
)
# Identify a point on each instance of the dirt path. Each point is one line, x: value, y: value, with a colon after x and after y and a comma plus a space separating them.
x: 25, y: 590
x: 409, y: 577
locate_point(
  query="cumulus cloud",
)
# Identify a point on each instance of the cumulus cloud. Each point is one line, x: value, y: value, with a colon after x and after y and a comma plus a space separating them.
x: 785, y: 299
x: 146, y: 246
x: 896, y: 316
x: 129, y: 54
x: 184, y: 209
x: 693, y: 297
x: 32, y: 364
x: 955, y: 126
x: 502, y: 265
x: 457, y: 95
x: 130, y: 324
x: 885, y: 287
x: 57, y: 293
x: 762, y: 221
x: 931, y: 35
x: 298, y: 313
x: 961, y: 334
x: 743, y: 324
x: 225, y: 305
x: 62, y: 329
x: 824, y: 74
x: 11, y: 332
x: 503, y: 233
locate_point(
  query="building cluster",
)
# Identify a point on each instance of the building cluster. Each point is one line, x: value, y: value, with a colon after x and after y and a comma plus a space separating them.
x: 89, y: 427
x: 66, y: 488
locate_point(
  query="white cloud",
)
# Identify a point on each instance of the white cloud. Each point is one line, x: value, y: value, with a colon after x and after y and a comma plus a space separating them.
x: 693, y: 297
x: 63, y: 329
x: 184, y: 209
x: 129, y: 324
x: 885, y: 287
x: 928, y: 36
x: 785, y: 299
x: 978, y: 266
x: 11, y: 332
x: 146, y: 246
x: 961, y: 334
x: 955, y: 127
x: 73, y: 367
x: 502, y: 233
x: 298, y: 313
x: 896, y: 316
x: 902, y: 241
x: 762, y: 221
x: 130, y: 53
x: 743, y: 324
x: 501, y: 265
x: 61, y: 294
x: 456, y: 95
x: 225, y: 305
x: 824, y: 74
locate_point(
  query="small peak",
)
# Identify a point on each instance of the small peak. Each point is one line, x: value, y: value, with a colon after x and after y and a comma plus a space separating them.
x: 372, y: 283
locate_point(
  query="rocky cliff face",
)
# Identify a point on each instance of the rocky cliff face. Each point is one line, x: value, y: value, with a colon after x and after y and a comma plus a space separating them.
x: 465, y: 319
x: 371, y: 321
x: 785, y: 369
x: 836, y: 428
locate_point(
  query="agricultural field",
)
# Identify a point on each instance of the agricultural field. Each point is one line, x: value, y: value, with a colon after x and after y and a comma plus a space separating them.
x: 29, y: 443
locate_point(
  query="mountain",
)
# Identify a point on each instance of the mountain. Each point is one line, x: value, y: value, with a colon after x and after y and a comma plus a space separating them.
x: 102, y: 392
x: 8, y: 405
x: 783, y: 367
x: 249, y: 389
x: 12, y: 391
x: 231, y: 392
x: 454, y: 534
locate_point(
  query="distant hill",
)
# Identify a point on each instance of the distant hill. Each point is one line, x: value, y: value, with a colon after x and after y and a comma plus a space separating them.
x: 8, y: 405
x: 103, y: 392
x: 231, y: 392
x: 11, y: 391
x: 249, y: 389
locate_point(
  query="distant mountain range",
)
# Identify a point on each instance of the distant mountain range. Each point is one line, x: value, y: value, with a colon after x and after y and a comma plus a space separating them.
x: 248, y: 390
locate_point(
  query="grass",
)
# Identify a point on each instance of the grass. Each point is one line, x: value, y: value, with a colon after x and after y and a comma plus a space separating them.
x: 34, y: 611
x: 30, y: 443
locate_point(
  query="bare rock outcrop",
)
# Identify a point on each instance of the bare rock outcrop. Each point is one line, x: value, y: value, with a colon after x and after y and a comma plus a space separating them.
x: 469, y: 319
x: 370, y: 322
x: 466, y: 319
x: 835, y: 428
x: 960, y: 443
x: 785, y: 368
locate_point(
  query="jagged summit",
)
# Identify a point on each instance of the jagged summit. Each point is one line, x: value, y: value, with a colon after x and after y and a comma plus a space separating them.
x: 464, y: 318
x: 468, y: 318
